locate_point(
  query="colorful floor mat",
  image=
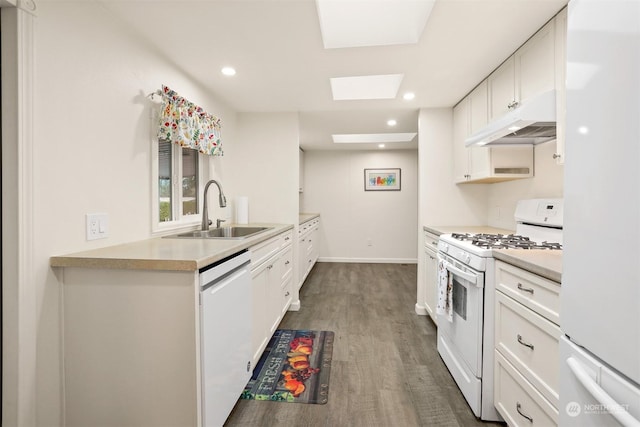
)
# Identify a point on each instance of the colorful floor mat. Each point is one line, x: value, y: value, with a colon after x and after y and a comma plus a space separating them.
x: 294, y: 367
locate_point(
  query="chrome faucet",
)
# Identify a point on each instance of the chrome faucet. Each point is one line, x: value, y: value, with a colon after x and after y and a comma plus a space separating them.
x: 221, y: 198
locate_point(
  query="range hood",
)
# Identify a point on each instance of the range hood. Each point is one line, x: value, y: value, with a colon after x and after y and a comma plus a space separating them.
x: 533, y: 122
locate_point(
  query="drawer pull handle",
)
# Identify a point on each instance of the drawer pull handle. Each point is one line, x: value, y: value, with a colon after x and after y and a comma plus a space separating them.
x: 287, y: 294
x: 523, y: 289
x: 524, y: 343
x: 434, y: 243
x: 518, y: 407
x: 286, y: 263
x: 431, y: 257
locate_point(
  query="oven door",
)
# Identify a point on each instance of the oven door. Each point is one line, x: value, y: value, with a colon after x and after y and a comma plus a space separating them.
x: 464, y: 333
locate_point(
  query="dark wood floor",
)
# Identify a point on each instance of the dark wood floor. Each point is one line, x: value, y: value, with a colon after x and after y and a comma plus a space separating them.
x: 385, y: 371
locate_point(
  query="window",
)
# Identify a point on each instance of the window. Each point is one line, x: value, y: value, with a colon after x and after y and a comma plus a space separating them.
x: 178, y: 177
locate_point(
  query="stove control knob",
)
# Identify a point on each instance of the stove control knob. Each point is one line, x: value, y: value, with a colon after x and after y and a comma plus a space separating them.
x: 467, y: 258
x: 445, y: 247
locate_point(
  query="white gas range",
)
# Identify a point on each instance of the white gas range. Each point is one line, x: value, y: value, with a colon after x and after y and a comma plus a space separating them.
x: 466, y: 307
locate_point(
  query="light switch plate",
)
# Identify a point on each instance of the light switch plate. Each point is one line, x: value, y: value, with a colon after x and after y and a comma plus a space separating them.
x: 97, y: 226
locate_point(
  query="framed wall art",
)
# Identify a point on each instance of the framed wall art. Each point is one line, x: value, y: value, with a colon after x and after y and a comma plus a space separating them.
x: 382, y: 179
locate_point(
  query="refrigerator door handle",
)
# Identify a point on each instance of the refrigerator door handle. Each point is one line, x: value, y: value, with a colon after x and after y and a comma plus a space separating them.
x: 598, y: 393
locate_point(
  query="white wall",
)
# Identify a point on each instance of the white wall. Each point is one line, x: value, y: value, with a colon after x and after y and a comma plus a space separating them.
x: 92, y: 152
x: 350, y: 216
x: 263, y: 165
x: 546, y: 183
x: 442, y: 202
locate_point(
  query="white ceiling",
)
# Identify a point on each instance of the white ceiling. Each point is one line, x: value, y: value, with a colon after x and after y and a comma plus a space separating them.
x: 277, y: 48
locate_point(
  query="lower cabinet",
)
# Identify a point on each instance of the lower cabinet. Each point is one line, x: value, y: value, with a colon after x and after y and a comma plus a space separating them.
x: 308, y: 248
x: 431, y: 273
x: 271, y: 278
x: 526, y: 347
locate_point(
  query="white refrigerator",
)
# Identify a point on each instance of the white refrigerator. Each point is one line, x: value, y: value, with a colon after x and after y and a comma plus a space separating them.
x: 600, y: 292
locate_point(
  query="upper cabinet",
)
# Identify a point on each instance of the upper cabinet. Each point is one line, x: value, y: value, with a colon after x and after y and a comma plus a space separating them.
x: 502, y: 89
x: 535, y: 64
x: 561, y: 79
x: 528, y: 72
x: 484, y: 164
x: 301, y: 171
x: 538, y: 66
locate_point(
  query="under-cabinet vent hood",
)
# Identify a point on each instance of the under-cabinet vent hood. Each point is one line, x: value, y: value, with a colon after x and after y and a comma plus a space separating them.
x: 533, y: 122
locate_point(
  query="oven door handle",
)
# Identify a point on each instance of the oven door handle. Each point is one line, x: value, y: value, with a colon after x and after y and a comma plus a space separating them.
x: 467, y: 276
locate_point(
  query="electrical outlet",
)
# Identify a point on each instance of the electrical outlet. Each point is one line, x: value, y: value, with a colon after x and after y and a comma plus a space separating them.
x: 97, y: 226
x: 369, y: 242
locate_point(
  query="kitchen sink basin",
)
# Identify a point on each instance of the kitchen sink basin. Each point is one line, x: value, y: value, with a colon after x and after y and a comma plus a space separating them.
x: 222, y: 233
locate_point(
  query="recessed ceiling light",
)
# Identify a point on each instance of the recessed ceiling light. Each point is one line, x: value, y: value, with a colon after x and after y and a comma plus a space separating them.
x: 228, y: 71
x: 408, y: 96
x: 373, y: 138
x: 380, y: 145
x: 391, y: 122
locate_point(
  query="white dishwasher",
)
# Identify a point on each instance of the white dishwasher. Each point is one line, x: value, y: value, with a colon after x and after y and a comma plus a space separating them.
x: 225, y: 335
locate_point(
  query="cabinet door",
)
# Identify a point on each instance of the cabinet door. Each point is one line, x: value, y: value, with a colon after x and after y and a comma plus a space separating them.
x: 431, y: 282
x: 561, y: 87
x: 501, y: 89
x: 535, y: 64
x: 478, y: 107
x: 301, y: 171
x: 259, y: 327
x: 460, y: 132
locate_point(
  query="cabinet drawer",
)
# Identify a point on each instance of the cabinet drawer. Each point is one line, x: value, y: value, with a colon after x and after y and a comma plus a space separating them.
x: 537, y: 293
x: 287, y: 264
x: 286, y: 238
x: 517, y: 401
x: 431, y: 240
x: 263, y: 250
x: 530, y: 343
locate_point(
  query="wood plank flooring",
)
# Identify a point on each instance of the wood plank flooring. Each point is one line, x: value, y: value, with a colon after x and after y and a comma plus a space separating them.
x: 386, y: 370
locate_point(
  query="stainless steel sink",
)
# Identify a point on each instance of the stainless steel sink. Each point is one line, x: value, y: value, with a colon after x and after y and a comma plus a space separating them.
x: 221, y: 233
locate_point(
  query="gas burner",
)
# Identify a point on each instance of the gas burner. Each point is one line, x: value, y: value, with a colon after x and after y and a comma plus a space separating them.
x: 501, y: 241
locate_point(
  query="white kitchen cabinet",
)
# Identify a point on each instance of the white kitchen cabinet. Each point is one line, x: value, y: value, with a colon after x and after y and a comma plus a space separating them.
x: 308, y: 248
x: 561, y: 86
x: 479, y: 107
x: 535, y: 64
x: 484, y: 164
x: 271, y: 264
x: 526, y: 346
x: 300, y: 170
x: 502, y: 89
x: 431, y: 273
x: 528, y: 72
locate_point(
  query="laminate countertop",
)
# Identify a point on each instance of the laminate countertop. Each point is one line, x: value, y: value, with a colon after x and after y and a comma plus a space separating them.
x: 543, y: 262
x: 471, y: 229
x: 170, y: 254
x: 304, y: 217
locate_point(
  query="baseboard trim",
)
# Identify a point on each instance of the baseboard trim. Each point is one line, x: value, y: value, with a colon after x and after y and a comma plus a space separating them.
x: 370, y: 260
x: 421, y: 310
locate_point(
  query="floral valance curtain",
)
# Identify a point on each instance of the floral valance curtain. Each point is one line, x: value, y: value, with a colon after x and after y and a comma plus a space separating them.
x: 188, y: 125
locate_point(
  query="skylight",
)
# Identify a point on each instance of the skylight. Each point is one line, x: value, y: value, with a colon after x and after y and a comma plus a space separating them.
x: 373, y: 138
x: 355, y: 23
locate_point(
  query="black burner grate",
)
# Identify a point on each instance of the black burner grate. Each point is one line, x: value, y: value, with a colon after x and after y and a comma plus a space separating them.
x: 501, y: 241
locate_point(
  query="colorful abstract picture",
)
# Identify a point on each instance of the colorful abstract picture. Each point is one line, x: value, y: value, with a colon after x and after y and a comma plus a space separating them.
x: 382, y: 179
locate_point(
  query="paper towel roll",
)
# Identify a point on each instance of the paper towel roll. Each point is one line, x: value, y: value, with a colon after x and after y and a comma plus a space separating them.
x: 242, y: 210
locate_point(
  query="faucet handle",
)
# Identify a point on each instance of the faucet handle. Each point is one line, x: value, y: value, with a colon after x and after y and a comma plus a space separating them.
x: 219, y: 221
